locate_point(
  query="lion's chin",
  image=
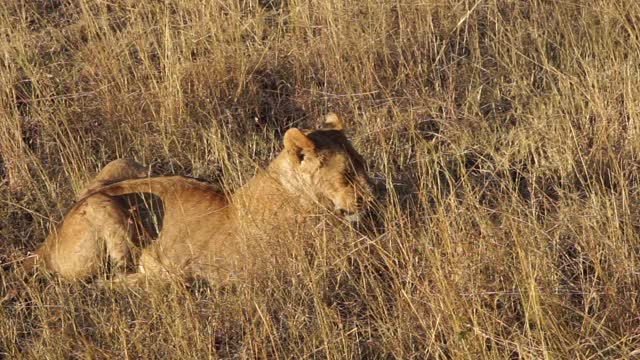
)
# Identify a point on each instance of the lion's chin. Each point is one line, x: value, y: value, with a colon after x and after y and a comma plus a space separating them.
x: 352, y: 218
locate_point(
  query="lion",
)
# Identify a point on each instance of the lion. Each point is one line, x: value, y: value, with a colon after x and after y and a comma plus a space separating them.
x: 115, y: 171
x: 76, y: 247
x: 208, y: 233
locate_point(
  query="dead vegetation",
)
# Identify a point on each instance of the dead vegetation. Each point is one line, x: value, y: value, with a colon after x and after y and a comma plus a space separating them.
x: 506, y: 133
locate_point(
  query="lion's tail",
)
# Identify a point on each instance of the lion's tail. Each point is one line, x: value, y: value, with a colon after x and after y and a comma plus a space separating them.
x: 158, y: 186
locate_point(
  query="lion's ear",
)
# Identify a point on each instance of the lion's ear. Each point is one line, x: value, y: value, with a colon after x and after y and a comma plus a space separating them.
x: 298, y: 143
x: 333, y: 122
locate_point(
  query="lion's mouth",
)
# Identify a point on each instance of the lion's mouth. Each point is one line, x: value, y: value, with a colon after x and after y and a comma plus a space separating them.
x: 350, y: 216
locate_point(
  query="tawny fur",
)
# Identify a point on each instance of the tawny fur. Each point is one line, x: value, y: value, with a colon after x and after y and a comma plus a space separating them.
x: 117, y: 170
x: 95, y: 227
x: 206, y: 233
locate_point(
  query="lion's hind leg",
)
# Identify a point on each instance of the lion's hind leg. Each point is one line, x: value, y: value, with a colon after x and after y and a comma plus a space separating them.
x: 117, y: 237
x: 111, y: 223
x: 148, y: 271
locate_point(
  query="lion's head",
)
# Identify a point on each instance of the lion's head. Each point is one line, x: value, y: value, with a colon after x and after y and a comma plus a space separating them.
x: 324, y: 164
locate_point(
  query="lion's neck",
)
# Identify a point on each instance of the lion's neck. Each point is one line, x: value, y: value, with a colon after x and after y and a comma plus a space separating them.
x: 265, y: 202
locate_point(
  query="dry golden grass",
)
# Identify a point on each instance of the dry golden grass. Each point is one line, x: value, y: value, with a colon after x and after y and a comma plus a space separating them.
x: 507, y: 134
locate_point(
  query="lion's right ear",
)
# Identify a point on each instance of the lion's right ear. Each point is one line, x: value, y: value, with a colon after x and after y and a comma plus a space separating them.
x: 297, y: 142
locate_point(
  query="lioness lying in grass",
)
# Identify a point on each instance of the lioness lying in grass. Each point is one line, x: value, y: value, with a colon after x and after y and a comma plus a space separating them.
x: 207, y: 233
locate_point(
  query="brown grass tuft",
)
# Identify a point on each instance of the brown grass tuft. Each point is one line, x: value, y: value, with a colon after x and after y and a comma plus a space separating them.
x: 507, y: 134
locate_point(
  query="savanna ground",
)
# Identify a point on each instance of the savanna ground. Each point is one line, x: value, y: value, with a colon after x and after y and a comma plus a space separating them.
x: 506, y: 133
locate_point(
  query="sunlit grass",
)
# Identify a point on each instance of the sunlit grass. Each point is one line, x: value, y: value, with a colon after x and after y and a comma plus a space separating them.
x: 505, y: 133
